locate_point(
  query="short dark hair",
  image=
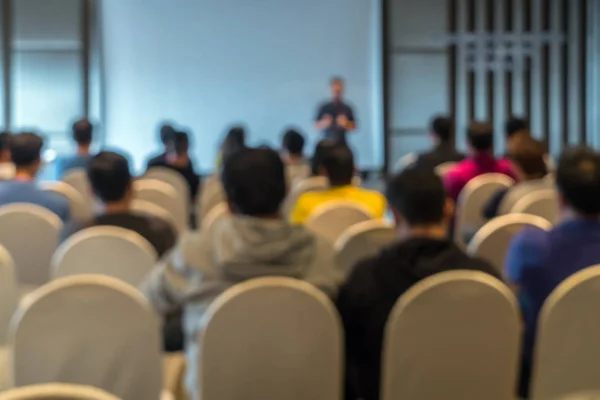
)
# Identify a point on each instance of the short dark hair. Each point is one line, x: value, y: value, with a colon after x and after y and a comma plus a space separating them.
x: 336, y: 79
x: 26, y: 149
x: 181, y: 142
x: 234, y: 141
x: 321, y: 148
x: 5, y: 141
x: 82, y: 132
x: 166, y: 133
x: 109, y: 176
x: 515, y: 125
x: 578, y: 180
x: 418, y: 195
x: 529, y: 156
x: 293, y: 142
x: 338, y: 162
x: 481, y: 136
x: 442, y: 128
x: 254, y: 181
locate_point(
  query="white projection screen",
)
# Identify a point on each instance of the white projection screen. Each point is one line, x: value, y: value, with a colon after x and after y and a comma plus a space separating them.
x: 207, y: 64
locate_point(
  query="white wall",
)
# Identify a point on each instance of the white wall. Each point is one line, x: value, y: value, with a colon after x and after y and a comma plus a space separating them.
x: 209, y: 63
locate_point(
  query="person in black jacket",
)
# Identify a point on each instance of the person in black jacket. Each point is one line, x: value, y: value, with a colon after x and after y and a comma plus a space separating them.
x: 422, y: 214
x: 444, y: 150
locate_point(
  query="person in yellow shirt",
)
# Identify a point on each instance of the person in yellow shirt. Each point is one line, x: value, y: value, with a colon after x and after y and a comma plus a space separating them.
x: 337, y: 164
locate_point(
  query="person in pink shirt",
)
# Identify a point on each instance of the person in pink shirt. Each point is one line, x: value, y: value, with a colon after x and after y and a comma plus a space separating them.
x: 481, y: 160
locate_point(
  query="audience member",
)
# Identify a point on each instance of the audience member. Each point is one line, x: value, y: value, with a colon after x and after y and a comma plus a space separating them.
x: 7, y: 168
x: 112, y: 184
x: 422, y: 213
x: 321, y: 149
x: 481, y: 160
x: 177, y: 158
x: 82, y: 134
x: 444, y: 150
x: 234, y: 141
x: 530, y: 167
x: 26, y: 151
x: 538, y: 261
x: 515, y: 129
x: 297, y: 167
x: 166, y: 133
x: 256, y: 241
x: 337, y: 164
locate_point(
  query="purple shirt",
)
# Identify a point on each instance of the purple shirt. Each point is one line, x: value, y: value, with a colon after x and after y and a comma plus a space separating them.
x: 456, y: 179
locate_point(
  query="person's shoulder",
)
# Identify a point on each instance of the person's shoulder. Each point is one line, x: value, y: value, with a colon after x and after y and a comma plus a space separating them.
x: 531, y: 240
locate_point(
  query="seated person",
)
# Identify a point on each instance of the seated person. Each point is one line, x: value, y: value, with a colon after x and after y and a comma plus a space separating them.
x: 444, y: 150
x: 255, y: 242
x: 7, y: 168
x: 515, y: 129
x: 337, y: 164
x: 82, y: 134
x: 112, y: 184
x: 422, y: 213
x: 538, y: 261
x: 234, y: 141
x: 178, y: 159
x: 530, y: 167
x: 26, y: 149
x: 481, y: 161
x: 297, y: 167
x: 166, y: 133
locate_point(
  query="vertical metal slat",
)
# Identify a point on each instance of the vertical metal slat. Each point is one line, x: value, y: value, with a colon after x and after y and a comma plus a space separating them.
x: 536, y: 69
x: 499, y: 83
x: 461, y: 76
x: 518, y: 79
x: 555, y: 90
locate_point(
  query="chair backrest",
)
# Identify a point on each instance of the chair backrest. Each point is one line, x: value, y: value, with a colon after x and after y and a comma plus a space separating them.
x: 313, y: 184
x: 88, y: 330
x: 363, y: 240
x: 81, y: 209
x: 152, y: 210
x: 165, y: 196
x: 405, y: 161
x: 333, y: 218
x: 584, y: 395
x: 473, y: 198
x: 443, y: 169
x: 173, y: 178
x: 492, y: 241
x: 567, y: 348
x: 543, y: 203
x: 78, y: 180
x: 212, y: 194
x: 105, y: 250
x: 9, y: 292
x: 454, y: 335
x: 30, y: 234
x: 292, y: 352
x: 218, y: 213
x: 57, y: 391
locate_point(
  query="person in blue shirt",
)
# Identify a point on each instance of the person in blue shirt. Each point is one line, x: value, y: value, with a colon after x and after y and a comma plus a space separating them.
x: 83, y: 135
x: 538, y: 261
x: 26, y: 149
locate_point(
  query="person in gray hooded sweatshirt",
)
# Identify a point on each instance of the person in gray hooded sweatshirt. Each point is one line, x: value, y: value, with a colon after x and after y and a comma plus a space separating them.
x: 255, y: 241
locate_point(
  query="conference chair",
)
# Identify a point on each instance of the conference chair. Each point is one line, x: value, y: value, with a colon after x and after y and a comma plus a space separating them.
x: 442, y: 169
x: 165, y: 196
x: 212, y: 194
x: 332, y: 218
x: 454, y: 335
x: 584, y: 395
x: 9, y: 298
x: 471, y: 201
x: 30, y: 235
x: 89, y: 330
x: 543, y: 203
x: 492, y: 241
x: 293, y: 351
x: 152, y: 210
x: 57, y: 391
x: 81, y: 210
x: 361, y: 241
x: 105, y: 250
x: 567, y: 349
x: 406, y: 161
x: 217, y: 213
x: 313, y: 184
x: 77, y: 178
x: 174, y: 179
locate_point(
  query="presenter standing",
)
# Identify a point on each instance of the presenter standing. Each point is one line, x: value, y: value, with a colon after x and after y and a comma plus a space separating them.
x: 335, y: 118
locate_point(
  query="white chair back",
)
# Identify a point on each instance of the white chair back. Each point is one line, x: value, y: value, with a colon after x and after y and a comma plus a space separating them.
x: 173, y: 178
x: 567, y: 348
x: 313, y: 184
x: 143, y: 207
x: 81, y: 209
x: 165, y: 196
x: 491, y: 242
x: 406, y: 161
x: 9, y: 292
x: 57, y: 391
x: 105, y: 250
x: 442, y: 335
x: 363, y: 240
x: 472, y: 200
x: 217, y: 214
x: 30, y: 234
x: 88, y: 330
x: 78, y: 180
x: 442, y: 169
x: 212, y: 194
x: 333, y: 218
x: 543, y: 203
x: 292, y: 352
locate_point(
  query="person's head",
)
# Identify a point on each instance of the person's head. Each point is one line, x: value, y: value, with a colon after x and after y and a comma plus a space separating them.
x: 26, y: 150
x: 578, y: 182
x: 293, y: 143
x: 254, y: 182
x: 418, y: 200
x: 336, y: 85
x: 528, y: 158
x: 337, y: 164
x: 109, y: 177
x: 180, y: 144
x: 82, y: 133
x: 321, y: 148
x: 441, y: 129
x: 481, y: 137
x: 5, y: 145
x: 234, y: 141
x: 514, y: 126
x: 166, y: 132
